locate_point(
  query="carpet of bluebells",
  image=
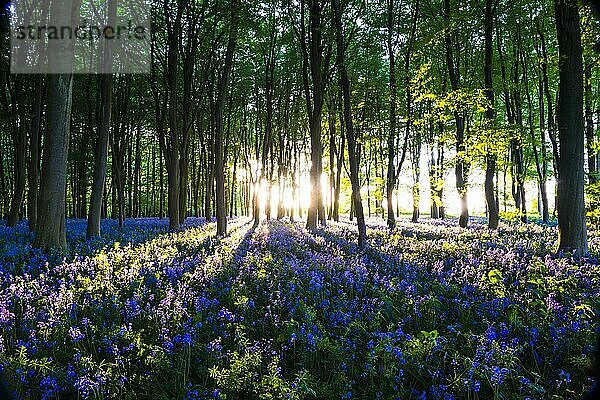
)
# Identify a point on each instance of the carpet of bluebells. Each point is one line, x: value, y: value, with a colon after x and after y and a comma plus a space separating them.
x: 427, y: 311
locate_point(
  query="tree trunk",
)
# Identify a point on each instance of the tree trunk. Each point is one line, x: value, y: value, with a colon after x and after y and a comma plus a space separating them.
x: 314, y: 104
x: 188, y: 55
x: 161, y: 195
x: 210, y: 182
x: 173, y: 188
x: 101, y: 153
x: 391, y: 173
x: 232, y: 202
x: 490, y: 158
x: 332, y: 155
x: 19, y: 168
x: 51, y: 226
x: 416, y: 172
x: 171, y: 149
x: 119, y: 144
x: 34, y: 156
x: 338, y: 179
x: 416, y: 197
x: 19, y: 134
x: 137, y: 173
x: 352, y: 156
x: 460, y: 170
x: 540, y: 165
x: 219, y: 153
x: 589, y: 128
x: 569, y: 113
x: 3, y: 194
x: 549, y: 102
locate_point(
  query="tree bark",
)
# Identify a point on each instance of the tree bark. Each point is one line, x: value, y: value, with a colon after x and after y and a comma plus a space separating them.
x: 171, y: 147
x: 314, y: 103
x: 460, y: 170
x: 101, y: 153
x: 338, y: 177
x: 51, y: 226
x: 332, y: 155
x: 571, y: 207
x: 549, y: 103
x: 352, y: 156
x: 34, y: 156
x: 19, y: 136
x: 119, y: 144
x: 221, y: 208
x: 589, y: 128
x: 490, y: 157
x: 391, y: 173
x: 544, y: 166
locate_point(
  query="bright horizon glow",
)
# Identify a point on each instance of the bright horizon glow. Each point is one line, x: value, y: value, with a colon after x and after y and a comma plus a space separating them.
x: 403, y: 197
x: 302, y: 195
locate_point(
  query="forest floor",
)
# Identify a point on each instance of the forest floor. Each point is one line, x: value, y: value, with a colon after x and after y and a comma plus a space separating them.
x: 427, y: 311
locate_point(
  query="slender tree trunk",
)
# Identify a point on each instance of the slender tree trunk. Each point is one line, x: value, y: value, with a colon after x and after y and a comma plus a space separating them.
x: 219, y: 152
x: 540, y: 165
x: 19, y: 168
x: 544, y: 169
x: 436, y: 174
x: 338, y: 178
x: 416, y: 195
x: 210, y: 182
x: 34, y: 156
x: 101, y: 153
x: 440, y: 177
x: 460, y: 170
x: 119, y: 144
x: 433, y: 179
x: 352, y: 156
x: 535, y: 150
x: 589, y: 128
x: 20, y: 153
x: 549, y: 103
x: 152, y: 154
x: 173, y: 172
x: 391, y: 173
x: 171, y: 147
x: 189, y: 48
x: 264, y: 176
x: 232, y: 209
x: 3, y: 193
x: 173, y: 190
x: 184, y: 183
x: 490, y: 158
x: 137, y: 174
x: 368, y: 185
x: 80, y: 194
x: 314, y: 103
x: 161, y: 195
x: 332, y: 154
x: 316, y: 196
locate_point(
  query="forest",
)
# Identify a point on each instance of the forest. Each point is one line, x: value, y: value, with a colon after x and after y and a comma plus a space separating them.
x: 304, y: 199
